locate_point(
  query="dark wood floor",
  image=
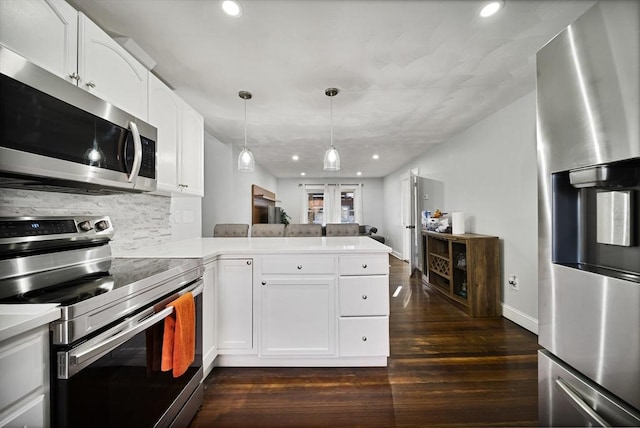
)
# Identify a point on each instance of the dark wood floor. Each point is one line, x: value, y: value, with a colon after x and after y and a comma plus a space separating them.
x: 445, y: 369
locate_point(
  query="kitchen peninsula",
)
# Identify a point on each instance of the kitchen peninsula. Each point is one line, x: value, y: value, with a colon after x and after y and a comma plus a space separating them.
x: 290, y: 301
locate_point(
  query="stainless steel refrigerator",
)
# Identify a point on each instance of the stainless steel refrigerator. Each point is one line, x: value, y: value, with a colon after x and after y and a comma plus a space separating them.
x: 588, y: 122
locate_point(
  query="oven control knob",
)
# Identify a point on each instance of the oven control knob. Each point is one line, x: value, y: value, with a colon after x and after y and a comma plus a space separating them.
x: 85, y: 226
x: 102, y: 225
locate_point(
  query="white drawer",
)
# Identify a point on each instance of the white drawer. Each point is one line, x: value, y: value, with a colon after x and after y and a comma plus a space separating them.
x: 31, y: 414
x: 364, y: 336
x: 292, y: 264
x: 364, y: 264
x: 364, y: 295
x: 23, y: 366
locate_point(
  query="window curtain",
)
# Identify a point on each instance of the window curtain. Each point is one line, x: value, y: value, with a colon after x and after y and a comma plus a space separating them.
x: 331, y: 204
x: 304, y: 205
x: 358, y: 204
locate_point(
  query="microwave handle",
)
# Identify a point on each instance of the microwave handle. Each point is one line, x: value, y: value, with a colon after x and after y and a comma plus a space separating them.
x: 137, y: 152
x: 71, y: 362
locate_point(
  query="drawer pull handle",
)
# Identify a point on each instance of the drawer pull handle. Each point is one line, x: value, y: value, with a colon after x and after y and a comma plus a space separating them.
x: 264, y: 282
x: 249, y: 262
x: 299, y: 267
x: 364, y: 338
x: 364, y: 297
x: 364, y: 266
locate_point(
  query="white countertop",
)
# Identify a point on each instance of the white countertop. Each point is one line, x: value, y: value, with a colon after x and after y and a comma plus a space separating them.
x: 205, y: 248
x: 19, y: 318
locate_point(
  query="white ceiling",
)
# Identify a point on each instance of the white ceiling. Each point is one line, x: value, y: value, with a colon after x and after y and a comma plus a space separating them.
x: 411, y: 73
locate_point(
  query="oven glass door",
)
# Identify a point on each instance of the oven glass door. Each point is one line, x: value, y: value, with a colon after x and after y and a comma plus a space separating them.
x: 114, y: 379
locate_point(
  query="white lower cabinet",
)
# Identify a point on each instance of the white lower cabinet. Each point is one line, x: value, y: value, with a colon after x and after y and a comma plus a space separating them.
x: 305, y: 309
x: 24, y: 380
x: 32, y: 413
x: 364, y: 295
x: 364, y: 336
x: 298, y: 316
x: 364, y: 305
x: 235, y: 305
x: 209, y: 311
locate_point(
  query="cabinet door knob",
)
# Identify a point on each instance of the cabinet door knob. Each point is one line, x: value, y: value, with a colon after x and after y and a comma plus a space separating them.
x: 364, y: 266
x: 264, y: 282
x: 299, y: 267
x: 364, y: 297
x: 249, y: 262
x: 74, y: 76
x: 90, y: 84
x: 364, y: 338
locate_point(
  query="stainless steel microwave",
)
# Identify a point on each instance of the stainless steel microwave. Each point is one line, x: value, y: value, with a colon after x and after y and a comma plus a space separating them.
x: 55, y: 136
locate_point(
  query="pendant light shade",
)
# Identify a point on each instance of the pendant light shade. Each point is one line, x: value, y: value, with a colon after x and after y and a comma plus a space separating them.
x: 246, y: 163
x: 331, y: 156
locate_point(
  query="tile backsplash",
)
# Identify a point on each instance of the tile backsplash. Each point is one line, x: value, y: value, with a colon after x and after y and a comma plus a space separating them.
x: 139, y: 220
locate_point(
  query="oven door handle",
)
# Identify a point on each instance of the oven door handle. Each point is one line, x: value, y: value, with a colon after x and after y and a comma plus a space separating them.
x: 74, y: 360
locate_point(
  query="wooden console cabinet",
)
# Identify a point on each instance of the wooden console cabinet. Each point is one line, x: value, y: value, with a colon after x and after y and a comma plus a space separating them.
x: 465, y: 269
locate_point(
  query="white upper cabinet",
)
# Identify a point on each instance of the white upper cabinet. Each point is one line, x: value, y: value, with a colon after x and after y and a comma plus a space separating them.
x: 43, y: 31
x: 164, y: 113
x: 191, y: 169
x: 54, y: 36
x: 107, y: 70
x: 180, y: 141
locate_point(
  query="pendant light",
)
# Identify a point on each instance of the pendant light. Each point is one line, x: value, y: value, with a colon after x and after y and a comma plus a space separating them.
x: 246, y: 163
x: 331, y: 156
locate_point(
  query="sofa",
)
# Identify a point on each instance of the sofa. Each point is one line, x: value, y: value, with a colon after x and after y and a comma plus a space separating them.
x: 370, y: 231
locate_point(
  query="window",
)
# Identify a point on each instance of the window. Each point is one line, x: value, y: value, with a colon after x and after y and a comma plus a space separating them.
x: 347, y: 208
x: 315, y: 207
x: 331, y: 203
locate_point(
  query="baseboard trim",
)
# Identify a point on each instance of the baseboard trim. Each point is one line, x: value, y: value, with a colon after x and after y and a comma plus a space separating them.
x: 520, y: 318
x: 397, y: 255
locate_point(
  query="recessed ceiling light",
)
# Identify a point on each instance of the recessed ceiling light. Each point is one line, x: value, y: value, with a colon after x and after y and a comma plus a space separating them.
x: 359, y: 173
x: 303, y: 173
x: 232, y: 8
x: 295, y: 157
x: 491, y: 8
x: 375, y: 156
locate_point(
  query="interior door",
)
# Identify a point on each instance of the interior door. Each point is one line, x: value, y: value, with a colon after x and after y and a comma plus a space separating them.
x: 405, y: 221
x: 409, y: 219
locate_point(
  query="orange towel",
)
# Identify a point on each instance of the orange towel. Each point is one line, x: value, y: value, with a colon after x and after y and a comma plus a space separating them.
x: 179, y: 341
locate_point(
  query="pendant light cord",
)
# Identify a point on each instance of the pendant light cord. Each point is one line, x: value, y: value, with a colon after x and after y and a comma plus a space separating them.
x: 245, y: 124
x: 331, y: 98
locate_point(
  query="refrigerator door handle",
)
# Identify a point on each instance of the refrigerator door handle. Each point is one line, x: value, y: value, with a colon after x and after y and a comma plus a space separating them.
x: 579, y: 403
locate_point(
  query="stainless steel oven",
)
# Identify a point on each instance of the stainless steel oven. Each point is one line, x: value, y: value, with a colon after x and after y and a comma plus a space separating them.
x: 107, y: 346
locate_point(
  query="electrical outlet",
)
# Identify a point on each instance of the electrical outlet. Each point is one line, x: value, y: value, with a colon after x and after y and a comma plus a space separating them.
x: 513, y: 283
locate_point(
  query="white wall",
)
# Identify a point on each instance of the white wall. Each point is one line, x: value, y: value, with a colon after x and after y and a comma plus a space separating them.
x: 289, y: 194
x: 186, y: 217
x: 227, y: 192
x: 489, y: 173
